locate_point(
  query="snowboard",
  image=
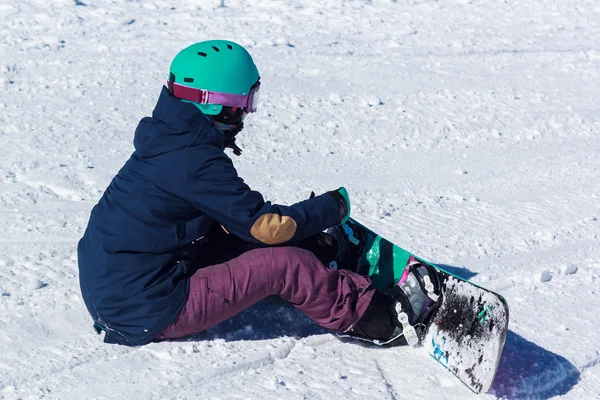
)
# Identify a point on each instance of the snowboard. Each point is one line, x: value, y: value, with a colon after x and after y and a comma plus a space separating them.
x: 466, y: 334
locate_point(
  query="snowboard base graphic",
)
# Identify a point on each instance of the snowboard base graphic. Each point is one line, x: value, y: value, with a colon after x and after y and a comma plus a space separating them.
x: 467, y: 332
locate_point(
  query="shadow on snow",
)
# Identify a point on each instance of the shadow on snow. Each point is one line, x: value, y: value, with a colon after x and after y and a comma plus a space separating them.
x: 272, y: 318
x: 528, y: 371
x: 461, y: 272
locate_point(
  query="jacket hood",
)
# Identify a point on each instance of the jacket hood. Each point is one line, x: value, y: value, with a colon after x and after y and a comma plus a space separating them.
x: 174, y: 125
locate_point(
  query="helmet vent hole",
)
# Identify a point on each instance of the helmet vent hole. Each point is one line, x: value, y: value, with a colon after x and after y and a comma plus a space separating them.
x: 200, y: 53
x: 230, y: 47
x: 216, y: 49
x: 190, y: 80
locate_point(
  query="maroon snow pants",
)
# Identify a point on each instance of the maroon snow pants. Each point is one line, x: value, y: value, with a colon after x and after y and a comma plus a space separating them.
x: 334, y: 299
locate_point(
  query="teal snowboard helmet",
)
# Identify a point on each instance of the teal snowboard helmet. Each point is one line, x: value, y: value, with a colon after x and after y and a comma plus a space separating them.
x: 213, y: 74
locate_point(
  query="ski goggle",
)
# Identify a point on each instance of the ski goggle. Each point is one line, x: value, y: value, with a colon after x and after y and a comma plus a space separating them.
x: 248, y: 102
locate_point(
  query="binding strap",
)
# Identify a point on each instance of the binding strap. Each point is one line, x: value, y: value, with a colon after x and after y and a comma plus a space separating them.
x: 404, y: 312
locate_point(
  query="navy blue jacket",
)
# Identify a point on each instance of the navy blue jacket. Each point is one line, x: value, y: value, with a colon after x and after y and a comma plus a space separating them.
x: 176, y: 185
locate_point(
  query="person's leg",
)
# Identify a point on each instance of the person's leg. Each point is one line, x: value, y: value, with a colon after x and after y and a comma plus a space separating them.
x: 335, y: 299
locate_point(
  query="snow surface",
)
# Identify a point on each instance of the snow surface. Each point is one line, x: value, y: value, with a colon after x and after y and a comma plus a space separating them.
x: 466, y: 131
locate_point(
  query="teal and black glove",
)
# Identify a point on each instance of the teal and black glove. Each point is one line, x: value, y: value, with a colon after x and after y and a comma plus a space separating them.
x: 342, y: 198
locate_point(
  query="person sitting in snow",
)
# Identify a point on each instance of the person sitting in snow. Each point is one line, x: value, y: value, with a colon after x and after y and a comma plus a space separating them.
x: 179, y: 243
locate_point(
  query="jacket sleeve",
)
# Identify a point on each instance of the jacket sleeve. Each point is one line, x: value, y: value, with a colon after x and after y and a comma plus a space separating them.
x: 216, y: 189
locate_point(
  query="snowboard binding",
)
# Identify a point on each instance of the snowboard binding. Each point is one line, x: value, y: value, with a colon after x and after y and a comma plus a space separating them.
x: 399, y: 315
x: 402, y: 314
x: 417, y: 297
x: 350, y: 246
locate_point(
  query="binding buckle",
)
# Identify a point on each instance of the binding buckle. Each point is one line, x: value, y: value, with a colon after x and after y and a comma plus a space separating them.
x: 409, y: 332
x: 203, y: 96
x: 430, y: 289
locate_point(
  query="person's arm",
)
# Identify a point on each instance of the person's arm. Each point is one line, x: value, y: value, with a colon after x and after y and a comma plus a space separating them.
x: 216, y: 189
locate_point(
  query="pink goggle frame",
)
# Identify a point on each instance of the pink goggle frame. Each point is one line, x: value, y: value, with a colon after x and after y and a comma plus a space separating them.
x: 203, y: 96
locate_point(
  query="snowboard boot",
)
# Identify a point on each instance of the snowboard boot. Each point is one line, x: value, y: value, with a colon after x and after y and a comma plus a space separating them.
x: 402, y: 314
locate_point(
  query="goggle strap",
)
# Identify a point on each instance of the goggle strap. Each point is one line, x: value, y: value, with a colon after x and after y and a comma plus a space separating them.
x: 204, y: 96
x: 170, y: 83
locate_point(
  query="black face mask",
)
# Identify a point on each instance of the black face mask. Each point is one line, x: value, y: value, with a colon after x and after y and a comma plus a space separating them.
x: 230, y: 122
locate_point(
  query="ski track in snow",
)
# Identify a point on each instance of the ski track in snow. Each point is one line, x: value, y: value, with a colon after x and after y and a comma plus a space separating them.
x: 466, y: 132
